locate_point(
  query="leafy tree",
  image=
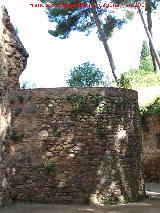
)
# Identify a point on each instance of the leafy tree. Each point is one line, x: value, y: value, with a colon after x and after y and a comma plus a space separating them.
x: 83, y: 16
x: 124, y: 82
x: 86, y: 74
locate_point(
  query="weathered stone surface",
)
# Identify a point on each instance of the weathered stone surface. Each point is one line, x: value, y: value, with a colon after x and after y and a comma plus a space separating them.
x: 151, y: 148
x: 12, y: 53
x: 78, y: 156
x: 13, y: 59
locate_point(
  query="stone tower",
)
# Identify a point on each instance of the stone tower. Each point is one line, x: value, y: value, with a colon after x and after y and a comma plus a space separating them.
x: 13, y: 55
x: 13, y: 60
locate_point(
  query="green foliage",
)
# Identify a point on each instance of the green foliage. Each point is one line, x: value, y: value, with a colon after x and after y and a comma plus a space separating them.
x: 144, y: 76
x: 129, y: 15
x: 151, y: 109
x: 85, y: 74
x: 146, y: 63
x: 15, y: 136
x: 79, y: 18
x: 139, y: 78
x: 128, y: 199
x: 84, y: 104
x: 145, y: 52
x: 124, y: 82
x: 111, y: 23
x: 48, y: 166
x: 152, y: 5
x: 143, y: 110
x: 108, y: 200
x: 143, y: 113
x: 111, y: 200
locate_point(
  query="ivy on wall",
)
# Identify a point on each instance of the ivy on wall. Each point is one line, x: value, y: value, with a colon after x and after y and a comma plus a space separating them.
x: 84, y: 104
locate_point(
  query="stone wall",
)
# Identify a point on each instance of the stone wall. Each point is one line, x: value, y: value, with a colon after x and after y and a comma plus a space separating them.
x: 75, y: 145
x: 151, y: 148
x: 12, y: 62
x: 4, y: 157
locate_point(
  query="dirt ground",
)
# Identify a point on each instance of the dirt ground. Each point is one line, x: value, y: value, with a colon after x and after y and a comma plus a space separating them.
x: 151, y: 205
x: 148, y: 206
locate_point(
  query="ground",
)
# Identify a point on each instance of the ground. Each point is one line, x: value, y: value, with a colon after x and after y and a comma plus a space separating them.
x: 151, y: 205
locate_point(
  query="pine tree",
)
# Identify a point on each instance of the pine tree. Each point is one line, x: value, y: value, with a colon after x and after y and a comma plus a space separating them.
x: 145, y: 59
x: 145, y: 50
x: 151, y: 6
x: 83, y: 16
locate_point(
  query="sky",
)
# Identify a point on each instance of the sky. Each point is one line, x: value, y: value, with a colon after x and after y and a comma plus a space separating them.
x: 50, y: 58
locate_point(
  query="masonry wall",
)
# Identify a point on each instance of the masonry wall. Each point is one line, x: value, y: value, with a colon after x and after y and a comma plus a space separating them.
x: 5, y: 187
x: 72, y: 145
x: 151, y: 148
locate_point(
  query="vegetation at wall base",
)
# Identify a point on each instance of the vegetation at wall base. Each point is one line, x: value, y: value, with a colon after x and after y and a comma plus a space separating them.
x: 111, y: 200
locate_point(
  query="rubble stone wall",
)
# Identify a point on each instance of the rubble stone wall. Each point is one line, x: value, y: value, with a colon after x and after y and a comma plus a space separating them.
x: 75, y: 145
x: 151, y: 148
x: 4, y: 154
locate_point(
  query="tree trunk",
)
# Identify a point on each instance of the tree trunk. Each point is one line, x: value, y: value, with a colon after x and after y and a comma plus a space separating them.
x: 149, y: 22
x: 105, y: 43
x: 149, y: 38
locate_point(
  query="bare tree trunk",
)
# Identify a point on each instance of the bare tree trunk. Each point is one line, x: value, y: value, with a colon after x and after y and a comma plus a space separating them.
x: 149, y: 38
x: 105, y: 43
x: 149, y: 22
